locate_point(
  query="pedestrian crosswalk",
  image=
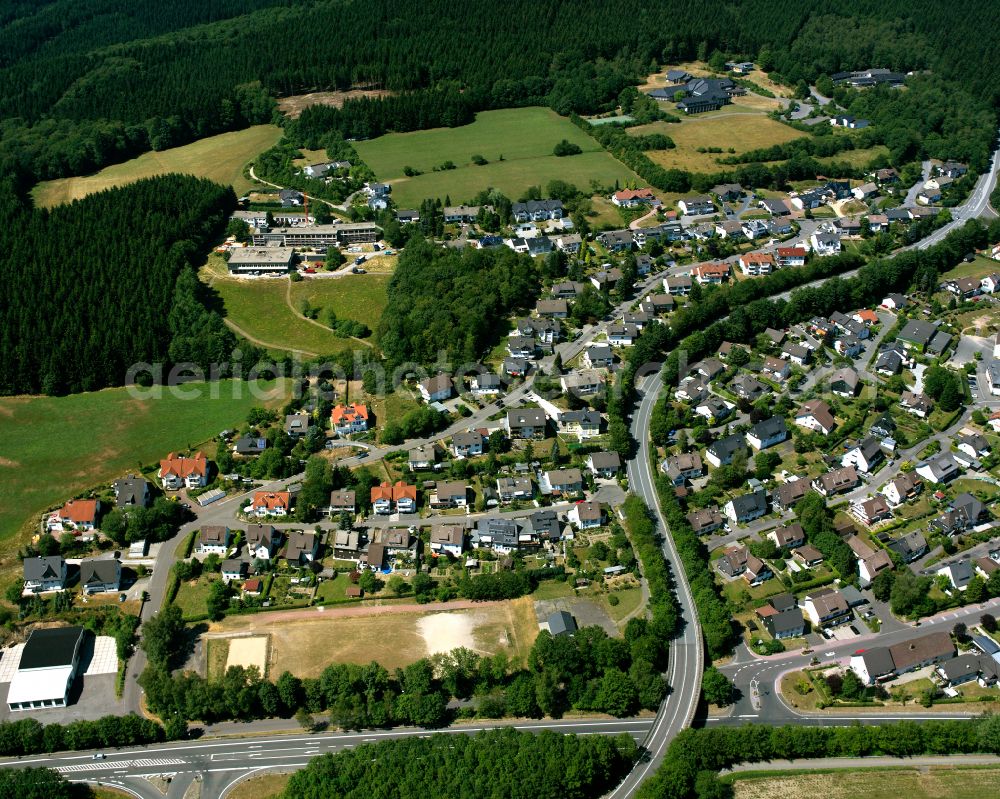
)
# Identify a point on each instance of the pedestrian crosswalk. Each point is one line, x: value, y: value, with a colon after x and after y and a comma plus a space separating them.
x: 115, y: 765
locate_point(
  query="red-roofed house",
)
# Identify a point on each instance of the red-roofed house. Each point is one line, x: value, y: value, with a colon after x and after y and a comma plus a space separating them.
x: 757, y: 263
x: 791, y: 256
x: 271, y: 503
x: 77, y: 514
x: 180, y: 471
x: 711, y: 273
x: 349, y: 419
x: 629, y: 198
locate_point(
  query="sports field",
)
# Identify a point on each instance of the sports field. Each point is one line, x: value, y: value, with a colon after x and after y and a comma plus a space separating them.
x: 394, y: 638
x: 933, y: 783
x: 734, y: 126
x: 524, y: 137
x: 55, y: 447
x: 267, y: 311
x: 220, y: 158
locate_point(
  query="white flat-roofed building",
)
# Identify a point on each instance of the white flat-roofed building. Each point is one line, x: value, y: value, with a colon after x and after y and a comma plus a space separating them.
x: 45, y: 673
x: 263, y: 260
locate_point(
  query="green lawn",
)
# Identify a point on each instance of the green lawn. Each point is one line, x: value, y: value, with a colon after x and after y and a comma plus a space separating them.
x: 523, y: 136
x: 192, y: 597
x: 553, y: 589
x: 220, y: 158
x: 55, y: 447
x: 358, y: 297
x: 333, y: 590
x: 858, y: 158
x: 980, y: 267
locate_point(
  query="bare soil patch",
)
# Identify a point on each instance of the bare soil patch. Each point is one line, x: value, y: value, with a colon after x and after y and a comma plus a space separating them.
x: 249, y: 651
x: 293, y: 105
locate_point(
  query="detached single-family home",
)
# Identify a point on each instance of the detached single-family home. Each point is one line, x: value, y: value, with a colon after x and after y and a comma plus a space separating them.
x: 705, y: 521
x: 510, y: 489
x: 776, y: 368
x: 262, y: 540
x: 271, y: 503
x: 767, y: 433
x: 711, y: 274
x: 959, y: 574
x: 183, y: 471
x: 787, y: 494
x: 630, y: 198
x: 826, y: 608
x: 436, y: 389
x: 448, y: 539
x: 98, y: 575
x: 789, y: 537
x: 131, y: 492
x: 300, y: 547
x: 622, y: 334
x: 529, y: 423
x: 824, y: 244
x: 807, y: 555
x: 837, y: 481
x: 78, y: 515
x: 865, y: 456
x: 343, y: 501
x: 598, y: 356
x: 44, y: 574
x: 468, y: 444
x: 450, y: 494
x: 213, y: 540
x: 297, y: 424
x: 604, y: 464
x: 757, y: 263
x: 910, y: 546
x: 721, y: 452
x: 919, y: 405
x: 816, y: 415
x: 562, y: 481
x: 586, y: 515
x: 901, y: 489
x: 697, y: 205
x: 501, y: 535
x: 844, y: 382
x: 234, y: 569
x: 350, y: 419
x: 677, y: 285
x: 871, y: 511
x: 682, y: 467
x: 941, y: 469
x: 791, y: 256
x: 747, y: 507
x: 423, y: 457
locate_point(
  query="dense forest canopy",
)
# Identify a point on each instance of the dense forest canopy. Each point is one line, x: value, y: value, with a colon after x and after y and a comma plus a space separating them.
x: 93, y: 287
x: 86, y: 83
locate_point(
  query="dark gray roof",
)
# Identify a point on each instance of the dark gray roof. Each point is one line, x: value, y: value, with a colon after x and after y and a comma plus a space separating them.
x: 728, y: 446
x: 545, y: 524
x: 99, y: 571
x: 878, y: 661
x: 47, y: 568
x: 786, y: 621
x: 918, y: 331
x: 130, y: 491
x: 562, y: 623
x: 769, y: 427
x: 750, y: 503
x: 55, y: 646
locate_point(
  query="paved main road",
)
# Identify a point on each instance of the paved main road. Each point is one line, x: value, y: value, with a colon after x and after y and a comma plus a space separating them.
x: 222, y: 763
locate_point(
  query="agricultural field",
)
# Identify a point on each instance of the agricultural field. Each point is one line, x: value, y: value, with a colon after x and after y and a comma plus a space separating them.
x: 392, y: 635
x: 55, y: 447
x: 267, y: 311
x: 524, y: 137
x: 740, y: 127
x: 933, y: 783
x: 220, y: 158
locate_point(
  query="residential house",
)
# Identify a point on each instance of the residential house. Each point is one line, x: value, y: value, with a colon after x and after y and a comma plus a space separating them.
x: 747, y: 507
x: 183, y: 471
x: 79, y: 515
x: 748, y: 387
x: 871, y: 567
x: 438, y: 388
x: 844, y: 382
x: 974, y: 444
x: 711, y: 273
x: 486, y: 385
x: 757, y: 571
x: 710, y: 368
x: 776, y: 337
x: 964, y: 287
x: 468, y: 444
x: 706, y: 520
x: 941, y: 469
x: 397, y: 541
x: 622, y: 335
x: 630, y: 198
x: 848, y: 121
x: 785, y: 624
x: 347, y: 545
x: 877, y: 223
x: 919, y: 405
x: 756, y: 229
x: 562, y: 481
x: 993, y: 376
x: 733, y: 561
x: 727, y: 192
x: 917, y: 334
x: 697, y: 205
x: 462, y: 214
x: 501, y: 535
x: 583, y: 383
x: 605, y: 280
x: 537, y: 210
x: 959, y: 574
x: 131, y: 492
x: 271, y: 503
x: 569, y: 243
x: 586, y: 515
x: 617, y: 240
x: 909, y: 547
x: 791, y: 256
x: 373, y: 557
x: 968, y: 667
x: 234, y: 569
x: 510, y: 489
x: 757, y: 263
x: 598, y: 356
x: 297, y: 425
x: 43, y: 574
x: 567, y: 290
x: 807, y: 556
x: 677, y: 285
x: 213, y: 540
x: 789, y: 537
x: 826, y: 608
x: 682, y: 467
x: 349, y: 419
x: 343, y: 501
x: 721, y: 452
x: 990, y: 284
x: 448, y: 539
x: 604, y: 464
x: 891, y: 359
x: 300, y: 547
x: 714, y: 409
x: 401, y: 498
x: 837, y: 481
x: 807, y: 200
x: 777, y: 368
x: 249, y: 446
x: 787, y: 494
x: 865, y: 456
x: 261, y: 539
x: 767, y: 433
x: 423, y: 457
x: 730, y: 229
x: 816, y: 415
x: 865, y: 191
x: 799, y: 354
x: 527, y: 423
x: 98, y: 575
x: 871, y: 511
x: 450, y: 494
x: 521, y: 346
x: 901, y: 489
x: 583, y: 424
x: 691, y: 389
x: 558, y: 309
x: 824, y: 244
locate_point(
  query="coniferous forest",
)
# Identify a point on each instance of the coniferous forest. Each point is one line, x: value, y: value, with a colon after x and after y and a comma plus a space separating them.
x: 93, y: 287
